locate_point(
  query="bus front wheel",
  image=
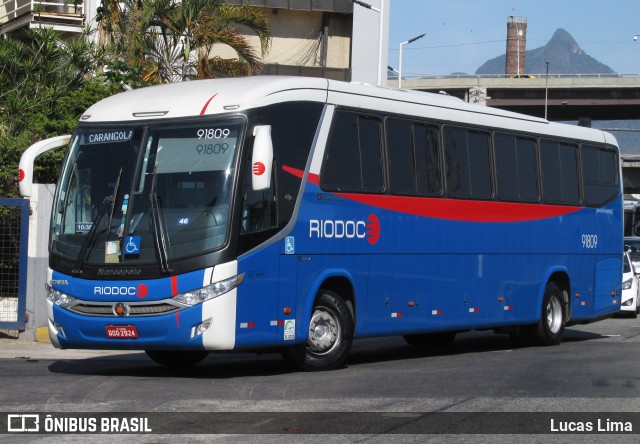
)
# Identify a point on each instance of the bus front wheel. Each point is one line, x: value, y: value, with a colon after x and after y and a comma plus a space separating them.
x: 177, y: 358
x: 330, y: 337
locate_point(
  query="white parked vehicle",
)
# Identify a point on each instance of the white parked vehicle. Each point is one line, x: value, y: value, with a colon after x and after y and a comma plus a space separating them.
x: 632, y: 246
x: 630, y: 287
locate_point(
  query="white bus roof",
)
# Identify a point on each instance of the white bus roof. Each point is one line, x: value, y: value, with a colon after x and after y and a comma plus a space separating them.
x: 218, y: 96
x: 204, y: 97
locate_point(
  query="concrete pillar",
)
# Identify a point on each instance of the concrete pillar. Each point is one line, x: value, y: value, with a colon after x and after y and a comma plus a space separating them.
x: 477, y: 95
x: 39, y: 222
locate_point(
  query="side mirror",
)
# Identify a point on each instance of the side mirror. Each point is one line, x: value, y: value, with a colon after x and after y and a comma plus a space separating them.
x: 25, y: 172
x: 262, y: 158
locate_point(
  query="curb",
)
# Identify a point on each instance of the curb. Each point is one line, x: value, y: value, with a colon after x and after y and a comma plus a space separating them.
x: 42, y: 335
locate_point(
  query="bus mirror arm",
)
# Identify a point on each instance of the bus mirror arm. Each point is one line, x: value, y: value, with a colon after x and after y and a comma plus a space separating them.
x: 28, y: 157
x: 262, y: 158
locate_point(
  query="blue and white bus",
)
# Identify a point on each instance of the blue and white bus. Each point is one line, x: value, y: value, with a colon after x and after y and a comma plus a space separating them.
x: 300, y: 214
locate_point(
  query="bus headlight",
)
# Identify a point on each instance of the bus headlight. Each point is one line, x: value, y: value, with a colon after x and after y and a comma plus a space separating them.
x: 210, y: 291
x: 58, y: 297
x: 627, y: 284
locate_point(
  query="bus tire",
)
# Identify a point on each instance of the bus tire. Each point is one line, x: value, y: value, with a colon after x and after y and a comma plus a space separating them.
x: 552, y: 319
x: 330, y: 335
x: 431, y: 340
x: 177, y: 358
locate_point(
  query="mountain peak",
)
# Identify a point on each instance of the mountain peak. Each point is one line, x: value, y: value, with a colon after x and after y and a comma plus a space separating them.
x: 561, y: 39
x: 563, y: 54
x: 561, y: 36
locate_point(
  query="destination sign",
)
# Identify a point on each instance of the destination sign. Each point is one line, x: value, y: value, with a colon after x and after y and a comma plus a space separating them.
x: 109, y: 136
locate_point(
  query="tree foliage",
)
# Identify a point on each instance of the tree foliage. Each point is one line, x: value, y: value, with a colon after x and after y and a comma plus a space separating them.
x: 171, y: 41
x: 45, y: 85
x: 46, y: 82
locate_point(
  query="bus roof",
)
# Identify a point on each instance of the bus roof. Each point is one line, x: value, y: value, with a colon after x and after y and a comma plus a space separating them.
x: 217, y: 96
x: 204, y: 97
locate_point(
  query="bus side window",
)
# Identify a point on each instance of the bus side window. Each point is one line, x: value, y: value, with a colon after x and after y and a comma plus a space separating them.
x: 427, y: 159
x: 414, y: 161
x: 467, y: 163
x: 402, y: 159
x: 599, y: 176
x: 353, y: 159
x: 559, y: 163
x: 516, y: 172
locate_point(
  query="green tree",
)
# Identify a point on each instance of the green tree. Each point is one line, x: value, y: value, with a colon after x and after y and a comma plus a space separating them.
x: 169, y: 41
x: 45, y: 85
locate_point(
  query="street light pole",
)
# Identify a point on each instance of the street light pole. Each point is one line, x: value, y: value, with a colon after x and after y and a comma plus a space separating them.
x: 380, y: 12
x: 392, y: 69
x: 400, y: 57
x: 546, y: 91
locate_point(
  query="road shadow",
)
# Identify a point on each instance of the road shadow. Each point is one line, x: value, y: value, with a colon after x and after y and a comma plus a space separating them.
x: 572, y: 335
x: 395, y: 348
x: 226, y: 365
x: 216, y: 365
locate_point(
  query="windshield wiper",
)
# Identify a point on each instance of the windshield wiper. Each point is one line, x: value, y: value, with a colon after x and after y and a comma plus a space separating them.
x: 93, y: 233
x: 159, y: 229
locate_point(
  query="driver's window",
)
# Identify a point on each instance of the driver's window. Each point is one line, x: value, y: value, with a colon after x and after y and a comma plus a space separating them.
x: 258, y: 207
x: 78, y: 216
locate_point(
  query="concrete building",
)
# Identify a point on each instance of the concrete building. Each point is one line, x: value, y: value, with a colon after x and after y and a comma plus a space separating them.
x: 335, y: 39
x: 308, y: 37
x: 67, y: 17
x: 321, y: 38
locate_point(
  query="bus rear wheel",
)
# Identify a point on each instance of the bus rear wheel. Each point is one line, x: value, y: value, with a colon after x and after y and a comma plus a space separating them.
x: 330, y: 335
x: 550, y: 328
x: 177, y: 358
x: 552, y: 322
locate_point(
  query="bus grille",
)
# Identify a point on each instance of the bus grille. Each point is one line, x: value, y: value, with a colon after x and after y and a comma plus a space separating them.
x: 134, y: 310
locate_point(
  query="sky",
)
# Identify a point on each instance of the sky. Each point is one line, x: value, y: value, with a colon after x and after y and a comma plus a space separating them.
x: 463, y: 34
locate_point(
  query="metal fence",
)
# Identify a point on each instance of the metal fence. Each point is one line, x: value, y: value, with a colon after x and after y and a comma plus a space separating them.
x: 14, y: 235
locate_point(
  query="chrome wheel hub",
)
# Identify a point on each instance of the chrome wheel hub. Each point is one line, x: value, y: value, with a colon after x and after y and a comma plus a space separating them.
x: 324, y: 331
x: 554, y: 315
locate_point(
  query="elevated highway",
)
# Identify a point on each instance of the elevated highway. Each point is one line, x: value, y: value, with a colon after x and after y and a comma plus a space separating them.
x: 570, y: 96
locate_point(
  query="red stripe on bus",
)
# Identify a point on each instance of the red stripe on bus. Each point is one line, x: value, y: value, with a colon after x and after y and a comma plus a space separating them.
x: 204, y: 108
x: 452, y: 209
x: 174, y: 285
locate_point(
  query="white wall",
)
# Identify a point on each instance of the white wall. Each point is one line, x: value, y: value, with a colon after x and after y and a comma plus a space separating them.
x: 36, y: 309
x: 366, y: 38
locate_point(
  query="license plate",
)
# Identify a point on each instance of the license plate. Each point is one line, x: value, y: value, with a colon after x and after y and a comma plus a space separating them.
x: 122, y: 332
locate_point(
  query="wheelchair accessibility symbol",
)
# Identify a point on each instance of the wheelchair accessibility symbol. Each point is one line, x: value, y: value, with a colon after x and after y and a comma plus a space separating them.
x: 289, y: 245
x: 132, y: 245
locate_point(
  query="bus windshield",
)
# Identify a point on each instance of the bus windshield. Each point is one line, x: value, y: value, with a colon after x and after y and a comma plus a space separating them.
x: 145, y: 194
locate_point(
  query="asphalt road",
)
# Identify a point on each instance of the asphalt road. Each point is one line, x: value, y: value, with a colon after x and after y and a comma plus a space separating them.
x: 467, y: 393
